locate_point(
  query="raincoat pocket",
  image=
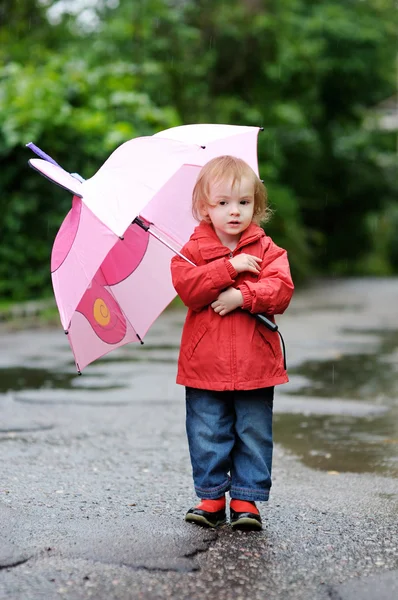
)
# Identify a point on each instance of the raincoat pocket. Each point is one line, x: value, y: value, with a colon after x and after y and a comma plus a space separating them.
x: 196, y: 337
x: 267, y: 341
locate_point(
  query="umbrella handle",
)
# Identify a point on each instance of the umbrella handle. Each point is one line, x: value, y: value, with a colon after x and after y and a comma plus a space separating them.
x: 273, y: 327
x: 267, y: 322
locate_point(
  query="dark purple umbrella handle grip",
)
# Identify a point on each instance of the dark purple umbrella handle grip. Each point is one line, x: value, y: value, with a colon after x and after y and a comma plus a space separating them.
x: 273, y: 327
x: 267, y: 322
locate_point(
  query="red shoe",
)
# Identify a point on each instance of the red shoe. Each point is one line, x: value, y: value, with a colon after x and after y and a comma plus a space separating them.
x: 245, y: 515
x: 208, y: 513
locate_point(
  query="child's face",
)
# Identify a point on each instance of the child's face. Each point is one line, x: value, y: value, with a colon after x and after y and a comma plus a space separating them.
x: 230, y: 208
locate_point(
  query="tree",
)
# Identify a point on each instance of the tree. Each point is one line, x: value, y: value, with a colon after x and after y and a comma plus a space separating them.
x: 307, y: 71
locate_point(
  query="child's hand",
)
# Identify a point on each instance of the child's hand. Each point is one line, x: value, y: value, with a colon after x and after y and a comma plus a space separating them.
x: 227, y: 301
x: 246, y: 262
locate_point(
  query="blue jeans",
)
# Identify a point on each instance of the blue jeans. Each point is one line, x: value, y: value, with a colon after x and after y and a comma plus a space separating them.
x: 230, y: 442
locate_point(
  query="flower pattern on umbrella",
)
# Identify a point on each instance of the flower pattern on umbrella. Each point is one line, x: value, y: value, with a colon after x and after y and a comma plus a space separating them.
x: 102, y: 311
x: 98, y: 305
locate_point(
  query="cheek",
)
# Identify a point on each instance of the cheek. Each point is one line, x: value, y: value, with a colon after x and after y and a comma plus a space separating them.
x: 251, y: 212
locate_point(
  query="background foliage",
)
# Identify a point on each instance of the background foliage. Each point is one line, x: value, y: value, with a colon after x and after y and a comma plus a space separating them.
x: 79, y: 78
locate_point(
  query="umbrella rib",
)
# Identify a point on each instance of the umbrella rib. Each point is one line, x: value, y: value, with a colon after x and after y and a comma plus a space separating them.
x: 147, y: 228
x: 170, y: 247
x: 123, y: 312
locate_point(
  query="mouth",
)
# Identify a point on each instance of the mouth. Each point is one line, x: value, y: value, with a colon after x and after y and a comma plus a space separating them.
x: 233, y: 222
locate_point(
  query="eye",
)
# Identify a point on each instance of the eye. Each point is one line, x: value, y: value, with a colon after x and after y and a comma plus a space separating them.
x: 244, y: 202
x: 222, y: 202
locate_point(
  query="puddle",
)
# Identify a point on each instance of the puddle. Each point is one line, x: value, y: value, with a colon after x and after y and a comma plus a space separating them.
x: 360, y: 377
x: 165, y: 347
x: 10, y: 430
x: 345, y: 442
x: 67, y: 401
x: 162, y: 353
x: 15, y: 379
x: 127, y: 359
x: 341, y: 443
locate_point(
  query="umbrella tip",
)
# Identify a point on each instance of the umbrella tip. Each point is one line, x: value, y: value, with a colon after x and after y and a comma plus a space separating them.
x: 203, y: 147
x: 261, y: 128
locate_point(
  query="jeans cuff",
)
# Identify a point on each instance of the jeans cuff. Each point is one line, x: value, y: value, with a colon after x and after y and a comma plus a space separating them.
x: 249, y: 494
x: 213, y: 493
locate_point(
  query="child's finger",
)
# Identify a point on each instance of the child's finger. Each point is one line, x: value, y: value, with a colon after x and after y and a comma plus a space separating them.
x: 255, y: 261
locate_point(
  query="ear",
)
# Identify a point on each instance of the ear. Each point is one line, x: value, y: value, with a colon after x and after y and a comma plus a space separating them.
x: 203, y: 211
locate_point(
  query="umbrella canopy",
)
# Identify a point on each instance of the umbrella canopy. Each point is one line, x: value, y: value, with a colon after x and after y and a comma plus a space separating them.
x: 110, y: 261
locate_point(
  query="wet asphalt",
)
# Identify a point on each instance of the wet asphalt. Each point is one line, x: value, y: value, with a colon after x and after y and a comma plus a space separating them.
x: 95, y: 477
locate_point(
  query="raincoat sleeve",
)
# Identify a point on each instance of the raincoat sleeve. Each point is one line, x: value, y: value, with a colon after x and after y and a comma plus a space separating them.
x: 200, y: 286
x: 272, y: 292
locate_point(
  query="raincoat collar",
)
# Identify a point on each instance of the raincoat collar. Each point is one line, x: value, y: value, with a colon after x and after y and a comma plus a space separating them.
x: 210, y: 245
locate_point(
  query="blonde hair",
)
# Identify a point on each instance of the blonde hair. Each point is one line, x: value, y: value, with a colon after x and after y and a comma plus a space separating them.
x: 224, y: 167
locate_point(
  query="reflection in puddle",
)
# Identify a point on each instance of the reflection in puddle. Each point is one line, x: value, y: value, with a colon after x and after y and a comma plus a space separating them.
x: 341, y: 443
x: 165, y: 347
x: 344, y: 442
x: 161, y: 353
x: 15, y: 379
x: 133, y: 359
x: 370, y: 376
x: 362, y: 376
x: 30, y: 378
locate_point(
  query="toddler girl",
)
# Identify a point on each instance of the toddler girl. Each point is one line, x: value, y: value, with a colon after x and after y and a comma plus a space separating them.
x: 229, y: 363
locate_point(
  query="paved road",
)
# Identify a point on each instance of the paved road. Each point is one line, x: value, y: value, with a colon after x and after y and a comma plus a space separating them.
x: 95, y: 477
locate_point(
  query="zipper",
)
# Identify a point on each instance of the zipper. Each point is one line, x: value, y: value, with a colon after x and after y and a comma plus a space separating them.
x: 233, y: 340
x: 233, y: 350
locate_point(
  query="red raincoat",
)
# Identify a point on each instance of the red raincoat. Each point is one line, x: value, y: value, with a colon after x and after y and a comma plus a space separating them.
x: 234, y: 352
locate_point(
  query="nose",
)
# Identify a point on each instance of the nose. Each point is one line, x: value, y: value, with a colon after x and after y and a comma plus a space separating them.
x: 234, y: 209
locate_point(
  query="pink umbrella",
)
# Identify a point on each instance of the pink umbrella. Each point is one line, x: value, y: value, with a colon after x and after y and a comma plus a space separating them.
x: 110, y: 262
